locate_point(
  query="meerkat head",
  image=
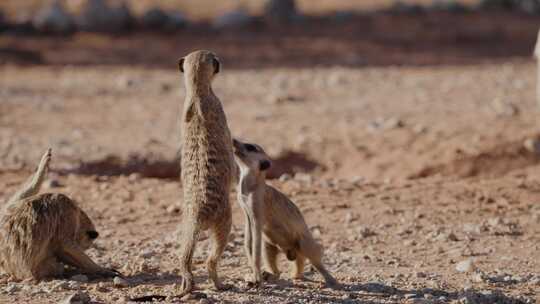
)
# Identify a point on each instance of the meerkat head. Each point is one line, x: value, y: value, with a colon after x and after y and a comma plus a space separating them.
x: 199, y: 66
x: 251, y: 157
x: 87, y: 231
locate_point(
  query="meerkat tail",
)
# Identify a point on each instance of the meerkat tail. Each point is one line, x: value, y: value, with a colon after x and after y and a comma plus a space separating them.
x: 33, y: 184
x: 538, y: 84
x: 536, y: 56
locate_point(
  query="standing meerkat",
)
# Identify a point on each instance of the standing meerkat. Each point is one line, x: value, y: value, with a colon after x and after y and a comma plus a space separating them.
x: 39, y: 233
x: 207, y: 164
x: 537, y: 57
x: 281, y: 222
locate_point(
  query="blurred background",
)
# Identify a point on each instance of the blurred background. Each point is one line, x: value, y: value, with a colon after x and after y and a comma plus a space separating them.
x: 278, y: 33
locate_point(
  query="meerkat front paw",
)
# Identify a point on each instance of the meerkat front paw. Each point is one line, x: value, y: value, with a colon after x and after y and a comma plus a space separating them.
x: 110, y: 273
x: 267, y: 276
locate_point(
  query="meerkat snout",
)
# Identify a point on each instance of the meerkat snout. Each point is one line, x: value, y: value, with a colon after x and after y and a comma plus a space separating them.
x: 92, y: 234
x: 264, y: 165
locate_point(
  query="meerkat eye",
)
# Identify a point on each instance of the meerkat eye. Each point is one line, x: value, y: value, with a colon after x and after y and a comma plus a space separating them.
x: 92, y: 234
x: 181, y: 65
x: 216, y: 65
x: 250, y: 148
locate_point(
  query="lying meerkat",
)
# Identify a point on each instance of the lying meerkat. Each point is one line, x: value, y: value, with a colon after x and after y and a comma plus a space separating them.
x: 537, y: 57
x: 207, y: 164
x: 40, y: 232
x: 281, y: 222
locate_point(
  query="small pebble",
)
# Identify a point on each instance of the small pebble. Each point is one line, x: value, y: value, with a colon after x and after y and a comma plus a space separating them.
x: 120, y: 282
x: 465, y: 266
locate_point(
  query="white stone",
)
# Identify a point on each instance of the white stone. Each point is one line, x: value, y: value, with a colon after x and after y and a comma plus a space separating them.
x: 465, y: 266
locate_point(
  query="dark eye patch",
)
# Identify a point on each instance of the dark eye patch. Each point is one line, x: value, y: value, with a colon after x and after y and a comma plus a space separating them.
x: 92, y: 234
x: 250, y: 148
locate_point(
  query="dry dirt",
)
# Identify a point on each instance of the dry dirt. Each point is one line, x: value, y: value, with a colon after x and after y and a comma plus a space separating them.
x: 405, y: 166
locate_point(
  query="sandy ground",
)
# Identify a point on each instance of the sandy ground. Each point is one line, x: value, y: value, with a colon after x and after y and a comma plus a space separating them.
x: 406, y: 170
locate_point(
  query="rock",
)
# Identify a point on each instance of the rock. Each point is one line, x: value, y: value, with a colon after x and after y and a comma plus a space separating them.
x: 120, y: 282
x: 80, y: 278
x: 366, y: 232
x: 52, y: 183
x: 12, y: 288
x: 409, y: 243
x: 285, y: 177
x: 477, y: 277
x: 465, y: 266
x: 146, y: 254
x: 61, y: 285
x: 54, y: 20
x: 233, y: 19
x: 532, y: 145
x: 410, y: 296
x: 281, y: 11
x: 173, y: 209
x: 472, y: 228
x: 303, y: 177
x: 452, y: 237
x: 504, y: 108
x: 281, y: 99
x: 420, y: 274
x: 76, y: 298
x: 98, y: 17
x: 349, y: 217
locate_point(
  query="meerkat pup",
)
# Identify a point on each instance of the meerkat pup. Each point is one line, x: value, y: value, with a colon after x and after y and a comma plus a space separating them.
x: 537, y: 57
x: 207, y: 164
x: 39, y: 233
x: 271, y: 213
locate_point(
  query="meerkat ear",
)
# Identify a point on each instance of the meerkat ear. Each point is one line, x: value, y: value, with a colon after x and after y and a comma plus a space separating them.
x: 181, y: 64
x: 217, y: 66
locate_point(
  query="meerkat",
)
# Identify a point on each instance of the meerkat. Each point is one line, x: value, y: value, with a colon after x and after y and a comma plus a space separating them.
x: 207, y: 166
x: 278, y: 219
x: 537, y: 57
x: 39, y: 233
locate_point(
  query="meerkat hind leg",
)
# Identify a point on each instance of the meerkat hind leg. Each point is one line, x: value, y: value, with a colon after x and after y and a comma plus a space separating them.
x: 49, y: 268
x: 219, y: 235
x: 190, y: 237
x: 270, y: 253
x: 298, y: 272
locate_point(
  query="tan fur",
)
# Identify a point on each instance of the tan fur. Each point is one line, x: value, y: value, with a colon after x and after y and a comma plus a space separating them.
x: 283, y: 226
x: 207, y: 165
x: 40, y: 232
x: 537, y: 57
